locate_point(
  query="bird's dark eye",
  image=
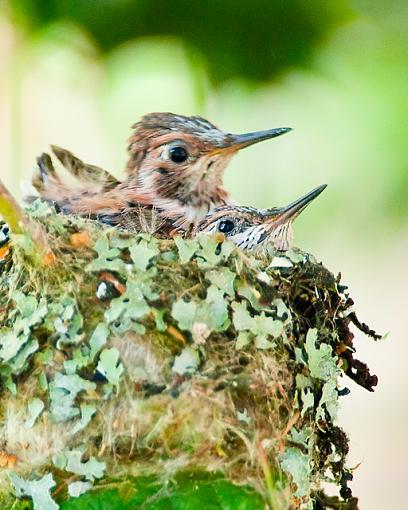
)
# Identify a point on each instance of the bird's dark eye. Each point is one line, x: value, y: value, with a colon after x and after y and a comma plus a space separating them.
x: 226, y: 226
x: 178, y: 154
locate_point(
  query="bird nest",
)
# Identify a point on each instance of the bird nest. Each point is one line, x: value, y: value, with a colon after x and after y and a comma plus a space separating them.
x: 128, y: 358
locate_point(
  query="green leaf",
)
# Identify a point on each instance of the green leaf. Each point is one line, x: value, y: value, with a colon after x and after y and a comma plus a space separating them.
x: 35, y: 408
x: 117, y: 307
x: 280, y: 262
x: 67, y: 321
x: 303, y: 382
x: 125, y: 324
x: 109, y: 365
x: 98, y: 339
x: 321, y: 362
x: 214, y: 311
x: 32, y: 311
x: 300, y: 356
x: 307, y: 396
x: 73, y: 383
x: 37, y: 490
x: 249, y: 293
x: 26, y: 305
x: 80, y: 359
x: 212, y: 251
x: 130, y: 305
x: 295, y: 256
x: 184, y: 313
x: 142, y: 254
x: 186, y: 248
x: 241, y: 318
x: 223, y: 279
x: 42, y: 381
x: 39, y: 209
x: 297, y: 465
x: 208, y: 254
x: 63, y: 391
x: 329, y: 400
x: 169, y: 256
x: 159, y: 319
x: 244, y: 339
x: 263, y: 343
x: 6, y: 375
x: 87, y: 411
x: 303, y: 437
x: 19, y: 363
x: 120, y: 242
x: 76, y: 489
x: 108, y: 258
x: 243, y: 416
x: 11, y: 344
x: 187, y: 361
x: 260, y: 325
x: 144, y: 281
x: 268, y: 326
x: 282, y: 311
x: 62, y: 406
x: 90, y: 469
x: 56, y: 223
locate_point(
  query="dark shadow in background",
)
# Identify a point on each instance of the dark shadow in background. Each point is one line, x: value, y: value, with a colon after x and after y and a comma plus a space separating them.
x: 253, y: 39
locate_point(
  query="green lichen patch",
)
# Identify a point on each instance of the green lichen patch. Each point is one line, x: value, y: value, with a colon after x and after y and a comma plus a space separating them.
x: 131, y: 356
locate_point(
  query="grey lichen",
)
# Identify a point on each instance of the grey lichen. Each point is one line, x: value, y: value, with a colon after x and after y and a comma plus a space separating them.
x: 131, y: 355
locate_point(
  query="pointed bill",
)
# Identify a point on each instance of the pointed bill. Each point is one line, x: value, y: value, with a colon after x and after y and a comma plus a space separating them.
x: 281, y: 215
x: 237, y: 142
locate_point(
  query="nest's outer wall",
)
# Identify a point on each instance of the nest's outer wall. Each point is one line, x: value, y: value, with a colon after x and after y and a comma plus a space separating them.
x: 131, y: 356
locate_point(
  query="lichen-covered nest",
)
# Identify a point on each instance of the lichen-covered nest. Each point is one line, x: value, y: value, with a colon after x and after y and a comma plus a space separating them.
x: 124, y: 358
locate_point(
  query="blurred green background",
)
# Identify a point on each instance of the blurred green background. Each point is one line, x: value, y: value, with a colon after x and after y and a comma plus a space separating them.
x: 78, y: 73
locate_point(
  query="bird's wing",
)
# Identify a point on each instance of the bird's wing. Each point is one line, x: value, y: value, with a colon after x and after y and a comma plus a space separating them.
x: 84, y: 172
x: 86, y: 182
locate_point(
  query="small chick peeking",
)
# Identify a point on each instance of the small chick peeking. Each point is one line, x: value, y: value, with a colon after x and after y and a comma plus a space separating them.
x: 204, y: 355
x: 249, y: 228
x: 254, y: 229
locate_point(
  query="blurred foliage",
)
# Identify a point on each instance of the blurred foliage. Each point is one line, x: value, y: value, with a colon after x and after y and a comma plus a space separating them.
x: 334, y: 71
x: 189, y: 492
x: 234, y: 38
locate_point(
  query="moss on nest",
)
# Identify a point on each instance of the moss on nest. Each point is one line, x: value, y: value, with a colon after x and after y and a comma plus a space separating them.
x: 129, y: 356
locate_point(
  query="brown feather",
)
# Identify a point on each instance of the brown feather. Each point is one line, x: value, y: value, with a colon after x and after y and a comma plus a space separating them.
x: 182, y: 191
x: 84, y: 172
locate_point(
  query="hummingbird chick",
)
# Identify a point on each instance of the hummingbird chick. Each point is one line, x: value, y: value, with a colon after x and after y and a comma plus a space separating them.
x: 249, y: 228
x: 253, y: 229
x: 176, y: 166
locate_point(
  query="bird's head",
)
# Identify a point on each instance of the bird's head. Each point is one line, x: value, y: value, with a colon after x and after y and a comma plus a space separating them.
x: 178, y: 162
x: 253, y: 229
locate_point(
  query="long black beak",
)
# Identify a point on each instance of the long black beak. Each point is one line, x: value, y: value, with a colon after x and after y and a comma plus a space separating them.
x: 247, y: 139
x: 279, y: 216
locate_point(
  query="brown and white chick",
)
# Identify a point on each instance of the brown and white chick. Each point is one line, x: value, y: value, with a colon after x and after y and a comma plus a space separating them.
x: 176, y: 167
x: 254, y: 229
